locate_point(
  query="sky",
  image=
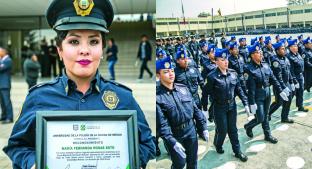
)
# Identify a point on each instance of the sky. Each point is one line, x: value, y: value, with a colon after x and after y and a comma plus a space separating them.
x: 172, y: 8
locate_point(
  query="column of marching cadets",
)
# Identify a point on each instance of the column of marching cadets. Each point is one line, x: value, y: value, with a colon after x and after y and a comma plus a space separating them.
x: 184, y: 64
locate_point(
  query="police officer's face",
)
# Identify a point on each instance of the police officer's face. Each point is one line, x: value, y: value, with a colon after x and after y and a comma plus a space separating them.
x: 256, y: 56
x: 81, y: 52
x: 281, y: 51
x: 211, y: 55
x: 222, y: 63
x: 293, y: 48
x: 234, y: 51
x: 166, y: 76
x: 205, y: 48
x: 309, y: 45
x: 182, y: 62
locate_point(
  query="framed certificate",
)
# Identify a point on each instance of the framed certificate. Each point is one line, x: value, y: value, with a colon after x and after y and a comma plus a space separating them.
x: 105, y: 139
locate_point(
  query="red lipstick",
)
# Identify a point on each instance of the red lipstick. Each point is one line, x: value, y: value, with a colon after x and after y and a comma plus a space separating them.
x: 84, y: 62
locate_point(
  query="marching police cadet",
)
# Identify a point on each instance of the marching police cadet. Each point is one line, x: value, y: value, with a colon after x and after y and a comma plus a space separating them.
x: 301, y: 46
x: 212, y: 39
x: 80, y: 28
x: 243, y: 51
x: 223, y: 40
x: 261, y: 42
x: 233, y: 39
x: 5, y: 86
x: 277, y: 38
x: 307, y: 56
x: 160, y: 54
x: 207, y: 59
x: 281, y: 70
x: 268, y: 51
x: 259, y: 77
x: 202, y: 38
x: 297, y: 70
x: 179, y: 43
x: 159, y: 45
x: 208, y: 64
x: 194, y: 49
x: 168, y: 47
x: 236, y: 62
x: 222, y: 85
x: 176, y: 115
x: 188, y: 75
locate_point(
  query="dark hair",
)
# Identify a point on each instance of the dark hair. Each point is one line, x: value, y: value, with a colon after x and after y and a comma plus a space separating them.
x: 61, y: 35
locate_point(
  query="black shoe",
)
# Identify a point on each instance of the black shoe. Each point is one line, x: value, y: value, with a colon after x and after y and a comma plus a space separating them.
x: 269, y: 117
x: 248, y: 131
x: 308, y: 90
x: 302, y: 109
x: 7, y: 121
x: 271, y: 139
x: 241, y: 156
x: 219, y: 150
x: 287, y: 121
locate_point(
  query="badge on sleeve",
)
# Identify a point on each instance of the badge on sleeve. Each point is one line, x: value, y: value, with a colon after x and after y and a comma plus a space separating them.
x: 183, y: 91
x: 110, y: 99
x: 83, y: 7
x: 275, y: 64
x: 303, y: 56
x: 192, y: 70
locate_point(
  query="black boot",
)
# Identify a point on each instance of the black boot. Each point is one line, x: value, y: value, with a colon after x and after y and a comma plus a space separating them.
x: 271, y: 139
x: 219, y: 149
x: 287, y: 120
x: 302, y: 109
x: 241, y: 156
x: 248, y: 131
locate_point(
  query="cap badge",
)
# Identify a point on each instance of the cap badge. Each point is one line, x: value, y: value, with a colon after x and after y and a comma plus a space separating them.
x: 83, y: 7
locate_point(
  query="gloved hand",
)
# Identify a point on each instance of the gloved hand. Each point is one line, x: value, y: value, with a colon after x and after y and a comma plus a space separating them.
x: 249, y: 115
x: 284, y: 96
x: 253, y: 108
x: 297, y: 85
x: 179, y: 149
x: 287, y: 91
x: 206, y: 135
x: 293, y: 88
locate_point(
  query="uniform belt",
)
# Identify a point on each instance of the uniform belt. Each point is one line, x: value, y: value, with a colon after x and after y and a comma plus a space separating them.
x: 183, y: 125
x: 228, y: 101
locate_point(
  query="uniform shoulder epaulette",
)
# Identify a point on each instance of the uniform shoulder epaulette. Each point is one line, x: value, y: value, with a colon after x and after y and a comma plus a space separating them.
x: 43, y: 84
x: 117, y: 84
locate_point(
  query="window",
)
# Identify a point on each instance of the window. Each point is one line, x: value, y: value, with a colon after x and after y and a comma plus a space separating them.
x: 162, y: 23
x: 307, y: 10
x: 173, y: 23
x: 270, y: 14
x: 202, y: 22
x: 231, y: 19
x: 281, y: 13
x: 296, y: 12
x: 258, y: 16
x: 193, y: 22
x: 249, y: 17
x: 239, y: 18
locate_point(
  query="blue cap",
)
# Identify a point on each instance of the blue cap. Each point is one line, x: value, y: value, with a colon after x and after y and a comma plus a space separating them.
x: 292, y: 42
x: 233, y: 37
x: 80, y: 14
x: 161, y: 53
x: 283, y: 40
x: 182, y: 53
x: 241, y: 39
x: 252, y: 41
x: 300, y: 36
x: 233, y: 45
x: 277, y: 36
x: 290, y: 38
x: 278, y: 45
x: 260, y: 37
x: 221, y: 53
x: 308, y: 40
x: 267, y: 40
x: 202, y: 44
x: 163, y: 63
x: 253, y: 48
x: 211, y: 47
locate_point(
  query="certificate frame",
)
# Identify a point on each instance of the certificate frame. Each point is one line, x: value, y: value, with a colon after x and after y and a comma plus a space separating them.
x: 44, y: 117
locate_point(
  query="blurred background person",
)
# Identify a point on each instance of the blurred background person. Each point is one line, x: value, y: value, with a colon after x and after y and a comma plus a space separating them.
x: 111, y: 53
x: 31, y: 69
x: 145, y: 55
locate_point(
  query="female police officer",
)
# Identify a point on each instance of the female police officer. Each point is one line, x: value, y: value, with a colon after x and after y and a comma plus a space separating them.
x: 80, y: 28
x: 176, y: 117
x: 259, y: 77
